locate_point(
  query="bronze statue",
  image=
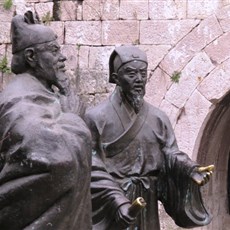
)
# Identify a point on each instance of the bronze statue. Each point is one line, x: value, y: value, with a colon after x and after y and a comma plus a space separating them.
x: 45, y: 150
x: 135, y: 154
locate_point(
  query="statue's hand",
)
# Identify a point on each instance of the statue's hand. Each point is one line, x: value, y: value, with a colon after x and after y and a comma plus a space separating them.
x: 201, y: 175
x: 123, y: 218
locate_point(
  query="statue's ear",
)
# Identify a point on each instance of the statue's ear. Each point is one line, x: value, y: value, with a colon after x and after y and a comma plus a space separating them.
x: 115, y: 78
x: 30, y: 56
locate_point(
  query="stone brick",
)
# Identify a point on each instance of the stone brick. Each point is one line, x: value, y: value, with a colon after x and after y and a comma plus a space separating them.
x: 217, y: 50
x: 217, y: 83
x: 171, y: 110
x: 6, y: 15
x: 155, y: 54
x: 80, y: 12
x: 83, y: 60
x: 165, y: 32
x: 225, y: 2
x: 202, y: 8
x: 21, y: 6
x: 110, y: 10
x: 120, y: 32
x: 157, y: 86
x: 223, y: 16
x: 170, y: 9
x: 68, y: 10
x: 58, y: 28
x: 187, y: 128
x: 83, y: 33
x: 135, y: 9
x: 5, y: 78
x: 92, y: 10
x: 45, y: 0
x: 92, y: 82
x: 99, y: 57
x: 71, y: 53
x: 191, y: 76
x: 2, y: 50
x: 44, y: 11
x: 9, y: 53
x: 5, y: 32
x: 206, y: 32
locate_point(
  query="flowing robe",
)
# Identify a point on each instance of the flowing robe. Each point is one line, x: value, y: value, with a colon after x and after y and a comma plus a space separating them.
x: 45, y: 161
x: 137, y: 155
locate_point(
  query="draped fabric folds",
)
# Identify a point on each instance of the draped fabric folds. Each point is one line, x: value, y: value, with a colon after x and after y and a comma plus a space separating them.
x: 45, y: 161
x: 137, y: 155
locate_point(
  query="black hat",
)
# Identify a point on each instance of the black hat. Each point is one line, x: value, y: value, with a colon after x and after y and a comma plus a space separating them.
x: 25, y: 32
x: 122, y: 55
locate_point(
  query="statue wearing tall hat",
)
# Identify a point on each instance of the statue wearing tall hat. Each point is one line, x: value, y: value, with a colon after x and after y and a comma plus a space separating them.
x: 45, y: 150
x: 135, y: 154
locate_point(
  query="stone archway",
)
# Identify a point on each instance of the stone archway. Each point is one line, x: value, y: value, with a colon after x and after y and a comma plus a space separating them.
x: 215, y: 149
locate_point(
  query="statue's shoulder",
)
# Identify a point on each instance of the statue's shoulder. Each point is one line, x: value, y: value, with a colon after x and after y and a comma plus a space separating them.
x: 100, y: 110
x: 153, y: 109
x: 156, y: 112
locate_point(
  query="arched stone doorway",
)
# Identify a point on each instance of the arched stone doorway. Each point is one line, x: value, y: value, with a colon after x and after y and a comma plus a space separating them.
x: 215, y: 149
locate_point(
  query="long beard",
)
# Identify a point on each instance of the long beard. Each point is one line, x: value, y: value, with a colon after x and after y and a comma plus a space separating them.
x: 136, y: 100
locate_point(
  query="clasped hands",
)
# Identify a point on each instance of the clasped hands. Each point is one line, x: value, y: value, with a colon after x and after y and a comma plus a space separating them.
x: 201, y: 175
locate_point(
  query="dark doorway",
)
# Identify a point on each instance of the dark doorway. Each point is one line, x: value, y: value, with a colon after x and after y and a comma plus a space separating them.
x: 214, y: 149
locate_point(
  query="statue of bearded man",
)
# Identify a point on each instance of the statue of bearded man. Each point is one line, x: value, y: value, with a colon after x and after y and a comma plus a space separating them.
x: 45, y: 150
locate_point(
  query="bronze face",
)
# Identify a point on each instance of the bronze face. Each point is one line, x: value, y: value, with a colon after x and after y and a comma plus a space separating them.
x: 50, y: 61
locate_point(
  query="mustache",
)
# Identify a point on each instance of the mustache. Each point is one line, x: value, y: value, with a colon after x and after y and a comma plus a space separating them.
x: 61, y: 66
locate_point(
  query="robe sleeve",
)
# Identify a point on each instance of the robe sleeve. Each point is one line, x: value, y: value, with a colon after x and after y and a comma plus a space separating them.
x: 44, y: 156
x: 180, y: 196
x: 107, y: 196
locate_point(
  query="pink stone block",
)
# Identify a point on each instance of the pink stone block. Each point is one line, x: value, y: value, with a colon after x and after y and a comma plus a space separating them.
x: 191, y: 76
x: 134, y: 9
x: 83, y: 61
x: 171, y: 110
x: 170, y: 9
x: 155, y: 54
x: 5, y: 32
x: 120, y: 32
x: 157, y: 85
x: 44, y: 10
x: 68, y: 10
x: 207, y: 31
x: 217, y: 50
x: 101, y: 10
x: 223, y: 16
x: 45, y: 0
x: 83, y: 32
x: 92, y: 10
x: 164, y: 31
x: 32, y: 1
x: 6, y: 15
x: 71, y: 53
x: 110, y: 10
x: 99, y: 57
x: 9, y: 53
x: 217, y: 83
x: 190, y: 121
x: 58, y: 28
x: 2, y: 51
x: 202, y: 8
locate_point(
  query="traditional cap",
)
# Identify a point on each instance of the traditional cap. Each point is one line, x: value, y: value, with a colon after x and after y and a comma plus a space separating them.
x: 122, y: 55
x: 25, y: 32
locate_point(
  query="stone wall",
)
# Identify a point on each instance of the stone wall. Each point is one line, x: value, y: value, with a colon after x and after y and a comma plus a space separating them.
x: 185, y: 40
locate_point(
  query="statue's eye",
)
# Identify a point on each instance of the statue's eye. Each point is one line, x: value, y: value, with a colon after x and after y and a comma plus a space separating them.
x: 143, y: 73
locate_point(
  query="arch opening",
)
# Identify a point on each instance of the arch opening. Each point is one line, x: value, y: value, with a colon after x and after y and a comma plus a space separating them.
x: 214, y: 149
